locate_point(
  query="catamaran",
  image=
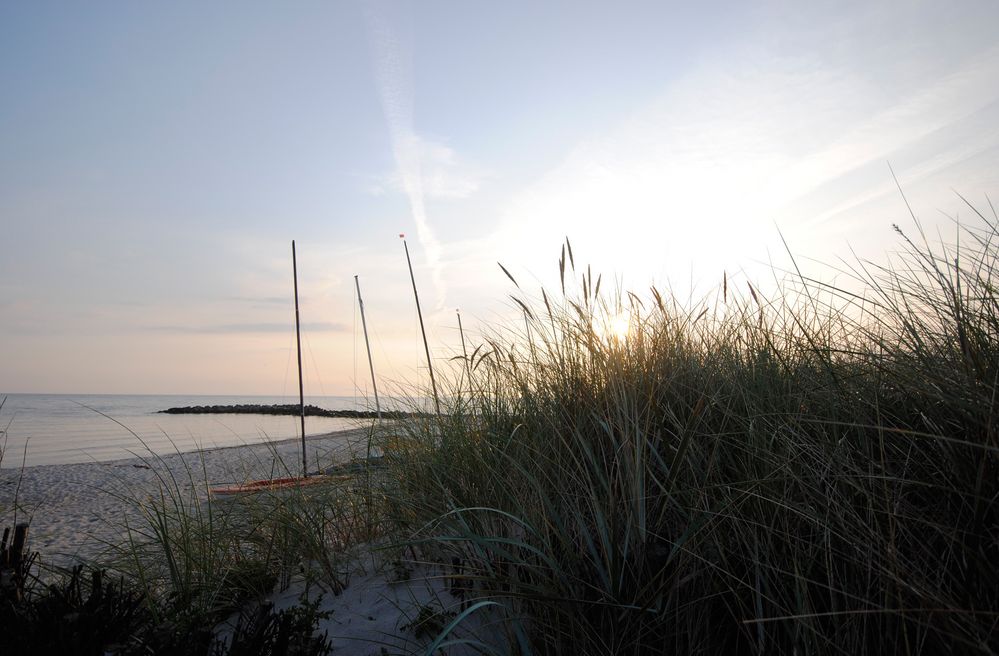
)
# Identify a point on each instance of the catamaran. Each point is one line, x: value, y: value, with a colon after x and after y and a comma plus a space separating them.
x: 288, y: 482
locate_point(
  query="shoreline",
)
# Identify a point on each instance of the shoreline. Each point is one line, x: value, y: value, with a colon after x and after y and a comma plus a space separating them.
x: 75, y: 510
x: 210, y: 449
x: 77, y: 429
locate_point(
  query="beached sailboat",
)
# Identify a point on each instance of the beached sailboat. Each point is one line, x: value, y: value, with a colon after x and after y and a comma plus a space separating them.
x: 293, y: 482
x: 288, y: 482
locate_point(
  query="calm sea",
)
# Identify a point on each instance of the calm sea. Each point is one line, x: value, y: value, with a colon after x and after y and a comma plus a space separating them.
x: 67, y: 428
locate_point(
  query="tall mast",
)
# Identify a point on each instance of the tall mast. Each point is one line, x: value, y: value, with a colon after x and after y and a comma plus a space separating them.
x: 298, y: 338
x: 430, y: 365
x: 464, y: 351
x: 367, y: 344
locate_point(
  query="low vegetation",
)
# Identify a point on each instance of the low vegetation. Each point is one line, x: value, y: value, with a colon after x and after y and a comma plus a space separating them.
x: 811, y: 472
x: 89, y: 613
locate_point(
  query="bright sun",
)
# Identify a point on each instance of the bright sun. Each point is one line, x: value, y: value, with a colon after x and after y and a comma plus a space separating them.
x: 616, y: 326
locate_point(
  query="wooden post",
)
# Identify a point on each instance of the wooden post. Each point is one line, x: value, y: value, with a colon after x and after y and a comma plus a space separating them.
x: 14, y: 563
x: 17, y: 544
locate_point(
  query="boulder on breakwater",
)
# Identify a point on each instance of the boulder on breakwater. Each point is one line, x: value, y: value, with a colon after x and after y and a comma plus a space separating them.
x: 288, y: 409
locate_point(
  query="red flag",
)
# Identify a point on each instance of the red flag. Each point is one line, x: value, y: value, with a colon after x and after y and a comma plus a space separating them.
x: 402, y: 236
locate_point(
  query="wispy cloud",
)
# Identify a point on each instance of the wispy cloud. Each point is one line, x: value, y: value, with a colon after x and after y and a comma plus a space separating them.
x: 262, y: 300
x: 249, y: 328
x: 699, y: 177
x: 392, y: 54
x: 445, y: 175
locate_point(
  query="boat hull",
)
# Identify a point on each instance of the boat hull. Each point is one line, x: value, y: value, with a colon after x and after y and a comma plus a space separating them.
x: 269, y: 485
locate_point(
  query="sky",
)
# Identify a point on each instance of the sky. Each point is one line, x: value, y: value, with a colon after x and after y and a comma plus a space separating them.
x: 157, y: 159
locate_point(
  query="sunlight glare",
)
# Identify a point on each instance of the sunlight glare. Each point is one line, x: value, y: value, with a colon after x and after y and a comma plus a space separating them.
x: 614, y: 327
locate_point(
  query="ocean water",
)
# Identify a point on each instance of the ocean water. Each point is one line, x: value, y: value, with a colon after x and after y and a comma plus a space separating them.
x: 53, y: 429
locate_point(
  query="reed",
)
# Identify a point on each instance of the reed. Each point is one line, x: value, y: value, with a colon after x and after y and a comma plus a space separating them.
x: 200, y: 557
x: 813, y: 470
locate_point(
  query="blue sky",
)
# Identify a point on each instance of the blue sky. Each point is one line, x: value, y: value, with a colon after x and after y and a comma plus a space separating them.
x: 156, y: 159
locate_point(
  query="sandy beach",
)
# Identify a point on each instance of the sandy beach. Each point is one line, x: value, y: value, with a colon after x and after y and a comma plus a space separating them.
x: 76, y: 510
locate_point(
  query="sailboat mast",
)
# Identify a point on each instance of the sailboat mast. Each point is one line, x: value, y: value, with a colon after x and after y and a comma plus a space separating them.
x: 464, y: 351
x: 298, y: 339
x: 367, y: 344
x: 430, y: 366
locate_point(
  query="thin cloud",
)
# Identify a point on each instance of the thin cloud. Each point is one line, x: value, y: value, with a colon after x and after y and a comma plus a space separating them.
x: 393, y: 72
x: 262, y: 300
x: 701, y: 176
x: 445, y: 176
x: 251, y: 328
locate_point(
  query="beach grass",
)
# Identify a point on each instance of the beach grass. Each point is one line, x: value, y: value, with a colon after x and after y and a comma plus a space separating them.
x: 192, y: 545
x: 199, y: 561
x: 813, y: 470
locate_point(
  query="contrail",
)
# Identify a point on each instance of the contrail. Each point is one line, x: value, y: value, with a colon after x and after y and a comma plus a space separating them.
x: 393, y: 72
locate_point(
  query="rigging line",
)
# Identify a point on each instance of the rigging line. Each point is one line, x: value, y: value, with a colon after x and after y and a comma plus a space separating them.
x: 287, y: 366
x: 380, y: 348
x: 354, y: 350
x: 416, y: 344
x: 315, y: 365
x: 391, y: 374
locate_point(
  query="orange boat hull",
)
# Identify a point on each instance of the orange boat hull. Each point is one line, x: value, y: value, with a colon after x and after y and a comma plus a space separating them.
x: 270, y: 485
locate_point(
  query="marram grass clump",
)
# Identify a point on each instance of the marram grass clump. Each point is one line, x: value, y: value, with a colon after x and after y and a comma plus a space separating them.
x: 816, y: 472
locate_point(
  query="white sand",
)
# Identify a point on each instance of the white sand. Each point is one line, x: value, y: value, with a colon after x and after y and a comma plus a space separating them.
x: 375, y: 610
x: 75, y: 510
